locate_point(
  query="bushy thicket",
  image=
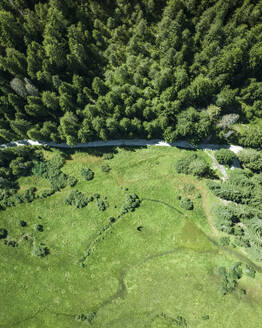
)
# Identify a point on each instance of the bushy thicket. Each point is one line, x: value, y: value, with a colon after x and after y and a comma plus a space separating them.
x: 51, y: 170
x: 187, y: 204
x: 3, y: 233
x: 132, y: 201
x: 225, y: 156
x: 193, y: 164
x: 229, y: 277
x: 251, y: 159
x: 105, y: 168
x: 76, y: 198
x: 40, y: 250
x: 87, y: 174
x: 239, y: 188
x: 76, y: 71
x: 16, y: 162
x: 242, y: 216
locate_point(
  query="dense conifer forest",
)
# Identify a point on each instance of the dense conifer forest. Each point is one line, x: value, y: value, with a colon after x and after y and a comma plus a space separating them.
x: 76, y: 70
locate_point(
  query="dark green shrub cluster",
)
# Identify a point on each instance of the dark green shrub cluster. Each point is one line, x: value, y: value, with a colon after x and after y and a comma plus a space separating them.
x: 27, y: 196
x: 225, y: 156
x: 224, y: 241
x: 187, y: 204
x: 7, y: 198
x: 71, y: 181
x: 81, y: 317
x: 101, y: 204
x: 40, y: 250
x: 193, y: 164
x: 3, y: 233
x: 51, y: 170
x: 87, y: 174
x: 12, y: 243
x: 229, y: 277
x: 46, y: 193
x: 251, y: 159
x: 77, y: 199
x: 132, y: 201
x: 108, y: 156
x: 250, y: 271
x: 239, y: 188
x: 105, y: 168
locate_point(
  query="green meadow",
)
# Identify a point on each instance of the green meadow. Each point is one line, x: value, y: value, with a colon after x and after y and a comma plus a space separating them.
x: 154, y: 267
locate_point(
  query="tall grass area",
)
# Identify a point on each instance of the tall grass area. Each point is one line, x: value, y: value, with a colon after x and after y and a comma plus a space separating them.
x: 164, y: 274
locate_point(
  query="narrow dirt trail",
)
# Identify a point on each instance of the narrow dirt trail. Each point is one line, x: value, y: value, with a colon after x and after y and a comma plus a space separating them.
x: 217, y: 166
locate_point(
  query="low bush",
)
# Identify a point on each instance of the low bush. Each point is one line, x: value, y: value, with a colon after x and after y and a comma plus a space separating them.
x: 250, y: 271
x: 224, y: 241
x: 11, y: 243
x: 40, y: 250
x: 58, y: 181
x: 132, y: 201
x: 71, y: 181
x: 187, y: 204
x: 251, y: 159
x: 46, y: 193
x: 192, y: 164
x: 3, y: 233
x: 23, y: 223
x: 28, y: 195
x: 39, y: 227
x: 77, y: 199
x: 105, y: 168
x: 108, y: 156
x: 224, y: 156
x: 230, y: 277
x: 81, y: 317
x: 101, y: 205
x: 87, y: 174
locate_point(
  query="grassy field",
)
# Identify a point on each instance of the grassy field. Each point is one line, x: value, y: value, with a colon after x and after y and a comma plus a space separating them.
x: 132, y: 278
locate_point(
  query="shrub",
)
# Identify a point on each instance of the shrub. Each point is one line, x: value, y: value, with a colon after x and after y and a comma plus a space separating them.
x: 39, y: 227
x: 251, y: 159
x: 91, y: 317
x: 101, y: 204
x: 108, y: 156
x: 28, y: 195
x: 40, y: 250
x: 250, y: 271
x: 5, y: 183
x: 23, y: 223
x: 199, y: 168
x: 132, y: 201
x: 192, y: 164
x: 20, y: 167
x: 87, y: 174
x: 224, y: 241
x: 187, y: 204
x: 58, y: 182
x: 3, y: 233
x: 230, y: 277
x: 57, y: 161
x: 46, y: 193
x: 105, y: 168
x: 11, y: 243
x: 39, y: 168
x: 81, y: 317
x: 71, y: 181
x: 189, y: 188
x: 77, y: 199
x: 224, y: 156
